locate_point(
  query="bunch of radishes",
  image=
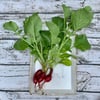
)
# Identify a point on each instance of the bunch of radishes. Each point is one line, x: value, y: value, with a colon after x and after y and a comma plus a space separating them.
x: 40, y: 77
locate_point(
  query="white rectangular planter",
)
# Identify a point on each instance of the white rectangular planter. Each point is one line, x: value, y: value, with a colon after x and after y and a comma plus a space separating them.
x: 63, y: 80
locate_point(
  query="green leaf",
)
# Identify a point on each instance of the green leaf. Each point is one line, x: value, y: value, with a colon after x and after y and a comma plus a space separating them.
x: 32, y: 25
x: 66, y: 11
x: 61, y: 36
x: 81, y: 42
x: 46, y: 52
x: 54, y: 30
x: 65, y: 55
x: 59, y: 22
x: 67, y: 45
x: 45, y: 38
x: 34, y: 52
x: 20, y: 45
x: 81, y: 18
x: 65, y: 59
x: 12, y: 26
x: 88, y: 8
x: 18, y: 32
x: 53, y: 56
x: 66, y: 62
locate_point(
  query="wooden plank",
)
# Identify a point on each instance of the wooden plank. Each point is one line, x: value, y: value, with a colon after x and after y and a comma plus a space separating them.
x: 82, y: 96
x: 14, y: 70
x: 91, y: 56
x: 14, y: 83
x: 92, y: 31
x: 17, y: 77
x: 93, y: 84
x: 18, y: 18
x: 29, y: 6
x: 93, y: 70
x: 21, y: 83
x: 10, y: 56
x: 23, y: 70
x: 27, y: 96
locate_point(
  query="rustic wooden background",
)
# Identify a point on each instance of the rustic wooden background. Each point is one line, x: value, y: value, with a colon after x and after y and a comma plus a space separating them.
x: 14, y: 65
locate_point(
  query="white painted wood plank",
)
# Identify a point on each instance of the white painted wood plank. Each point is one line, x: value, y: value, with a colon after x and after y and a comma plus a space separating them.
x: 22, y: 83
x: 23, y: 70
x: 83, y: 96
x: 8, y: 55
x: 18, y: 18
x: 3, y: 96
x: 92, y: 31
x: 14, y: 83
x: 93, y: 84
x: 27, y: 96
x: 14, y: 70
x: 17, y: 78
x: 29, y: 6
x: 93, y: 70
x: 90, y: 57
x: 82, y: 80
x: 22, y: 96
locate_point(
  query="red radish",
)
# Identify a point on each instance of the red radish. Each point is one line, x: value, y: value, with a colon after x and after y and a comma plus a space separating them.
x: 41, y: 77
x: 48, y: 78
x: 37, y: 73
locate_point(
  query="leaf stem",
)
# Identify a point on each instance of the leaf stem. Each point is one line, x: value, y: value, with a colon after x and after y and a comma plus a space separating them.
x: 27, y: 42
x: 36, y: 49
x: 63, y: 42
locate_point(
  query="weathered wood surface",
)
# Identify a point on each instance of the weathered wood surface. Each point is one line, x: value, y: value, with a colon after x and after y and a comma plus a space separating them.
x: 10, y: 56
x: 92, y: 31
x: 44, y: 6
x: 14, y: 65
x: 27, y: 96
x: 15, y: 77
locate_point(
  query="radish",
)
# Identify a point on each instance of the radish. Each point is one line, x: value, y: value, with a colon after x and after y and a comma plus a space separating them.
x: 48, y: 78
x: 41, y: 77
x: 35, y: 77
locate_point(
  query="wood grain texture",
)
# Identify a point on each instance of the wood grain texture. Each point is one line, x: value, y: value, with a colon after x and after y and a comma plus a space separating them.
x: 9, y: 55
x: 27, y: 96
x: 92, y: 31
x: 14, y: 65
x: 17, y: 77
x: 29, y: 6
x: 93, y: 70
